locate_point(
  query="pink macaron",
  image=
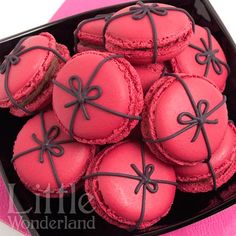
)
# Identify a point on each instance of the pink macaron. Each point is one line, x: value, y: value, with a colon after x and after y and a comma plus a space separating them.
x: 128, y: 187
x: 199, y: 179
x: 148, y: 33
x: 203, y: 56
x: 98, y: 97
x: 88, y: 34
x: 149, y: 73
x: 46, y: 160
x: 26, y: 73
x: 182, y: 114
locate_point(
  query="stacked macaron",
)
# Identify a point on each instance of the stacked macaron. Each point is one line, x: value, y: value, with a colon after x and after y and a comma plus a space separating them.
x: 27, y: 72
x: 144, y: 80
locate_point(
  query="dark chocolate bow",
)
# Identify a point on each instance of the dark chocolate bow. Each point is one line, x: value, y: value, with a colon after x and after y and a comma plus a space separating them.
x: 12, y: 59
x: 82, y: 94
x: 207, y: 56
x: 140, y: 11
x: 198, y: 119
x: 48, y: 145
x: 145, y: 179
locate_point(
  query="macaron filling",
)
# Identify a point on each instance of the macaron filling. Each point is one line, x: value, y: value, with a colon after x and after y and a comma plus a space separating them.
x: 52, y: 69
x: 164, y: 51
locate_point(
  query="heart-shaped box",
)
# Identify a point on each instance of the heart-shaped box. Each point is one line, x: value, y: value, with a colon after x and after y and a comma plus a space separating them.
x: 187, y: 208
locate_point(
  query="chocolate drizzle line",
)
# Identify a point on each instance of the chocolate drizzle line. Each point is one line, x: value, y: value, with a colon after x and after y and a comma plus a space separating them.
x: 141, y: 10
x: 144, y: 181
x: 208, y: 55
x: 49, y: 145
x: 82, y: 97
x: 13, y: 59
x: 199, y: 119
x: 106, y: 17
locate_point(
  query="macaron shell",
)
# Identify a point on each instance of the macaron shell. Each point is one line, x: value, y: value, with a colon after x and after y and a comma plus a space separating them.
x: 63, y: 50
x: 91, y: 31
x: 204, y: 183
x: 120, y: 85
x: 172, y: 35
x: 45, y: 97
x: 147, y: 128
x: 220, y: 158
x: 120, y: 204
x: 140, y: 57
x: 161, y: 105
x: 22, y: 84
x: 149, y: 74
x: 185, y: 62
x: 38, y: 176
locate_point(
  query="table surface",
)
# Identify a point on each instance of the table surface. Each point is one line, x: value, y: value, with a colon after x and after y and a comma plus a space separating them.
x: 27, y: 14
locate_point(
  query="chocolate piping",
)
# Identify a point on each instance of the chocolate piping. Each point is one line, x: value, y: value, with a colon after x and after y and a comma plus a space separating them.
x: 13, y: 59
x: 140, y: 11
x: 48, y: 145
x: 82, y: 96
x: 106, y: 17
x: 209, y: 56
x: 145, y: 182
x: 199, y: 119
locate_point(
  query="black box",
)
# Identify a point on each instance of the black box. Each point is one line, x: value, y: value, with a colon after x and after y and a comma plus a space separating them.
x: 187, y: 208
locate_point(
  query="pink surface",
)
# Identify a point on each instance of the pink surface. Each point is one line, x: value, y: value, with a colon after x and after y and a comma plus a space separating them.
x: 72, y: 7
x: 5, y: 205
x: 221, y: 224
